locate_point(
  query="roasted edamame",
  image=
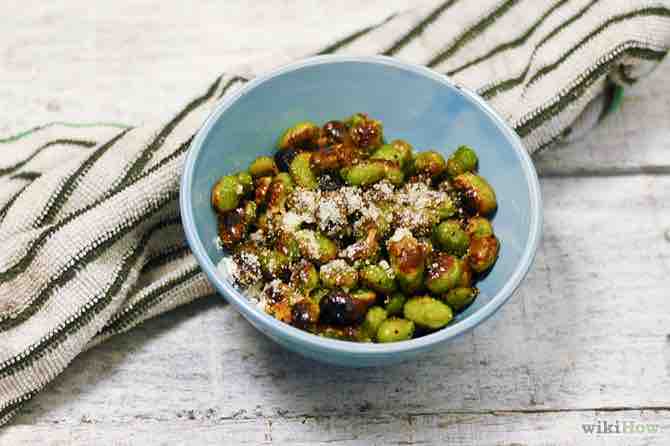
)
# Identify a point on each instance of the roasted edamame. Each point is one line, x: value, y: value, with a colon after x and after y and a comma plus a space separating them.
x: 348, y: 236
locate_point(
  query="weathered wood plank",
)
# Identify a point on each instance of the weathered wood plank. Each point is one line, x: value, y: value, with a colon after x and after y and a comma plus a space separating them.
x: 135, y: 61
x: 483, y: 429
x: 633, y: 140
x: 119, y: 47
x: 588, y: 329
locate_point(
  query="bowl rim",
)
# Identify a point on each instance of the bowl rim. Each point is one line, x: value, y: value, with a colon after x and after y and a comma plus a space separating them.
x: 317, y: 343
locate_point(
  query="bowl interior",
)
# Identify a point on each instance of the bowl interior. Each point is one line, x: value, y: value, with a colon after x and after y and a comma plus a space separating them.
x: 412, y: 105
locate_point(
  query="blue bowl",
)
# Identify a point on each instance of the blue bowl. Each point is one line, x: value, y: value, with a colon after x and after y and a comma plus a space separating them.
x: 415, y: 104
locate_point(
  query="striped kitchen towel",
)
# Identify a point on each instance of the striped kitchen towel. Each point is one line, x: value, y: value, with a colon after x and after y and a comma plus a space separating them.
x: 90, y: 236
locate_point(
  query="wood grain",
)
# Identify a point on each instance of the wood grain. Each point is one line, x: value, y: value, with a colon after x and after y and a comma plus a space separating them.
x: 587, y: 330
x: 482, y: 429
x: 585, y: 338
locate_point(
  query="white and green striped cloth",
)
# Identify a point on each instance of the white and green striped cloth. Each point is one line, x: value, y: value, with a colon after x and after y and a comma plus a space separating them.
x: 90, y: 236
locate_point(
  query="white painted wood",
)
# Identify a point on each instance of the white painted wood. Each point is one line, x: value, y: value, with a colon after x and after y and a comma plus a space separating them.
x: 136, y: 61
x: 587, y: 330
x: 482, y: 429
x: 133, y: 61
x: 632, y: 140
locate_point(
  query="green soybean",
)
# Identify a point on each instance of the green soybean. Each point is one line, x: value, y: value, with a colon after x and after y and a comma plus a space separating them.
x: 478, y: 193
x: 305, y: 277
x: 446, y: 209
x: 373, y: 319
x: 301, y: 135
x: 449, y: 236
x: 226, y: 193
x: 395, y: 329
x: 378, y: 279
x: 428, y: 312
x: 273, y: 262
x: 483, y: 252
x: 364, y: 173
x: 327, y: 248
x: 444, y: 273
x: 301, y: 173
x: 464, y: 159
x: 247, y: 182
x: 459, y: 298
x: 431, y: 163
x: 338, y: 274
x: 398, y: 152
x: 479, y: 227
x: 263, y: 166
x: 394, y: 303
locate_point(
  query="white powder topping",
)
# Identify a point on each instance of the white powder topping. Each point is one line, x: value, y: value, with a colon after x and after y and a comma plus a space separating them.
x: 228, y: 268
x: 257, y: 236
x: 331, y: 214
x: 308, y: 243
x: 247, y: 269
x: 337, y: 266
x: 352, y: 198
x: 400, y: 234
x: 371, y: 212
x: 291, y: 221
x: 305, y: 201
x: 355, y: 250
x: 382, y: 191
x: 384, y: 265
x: 419, y: 196
x: 273, y: 292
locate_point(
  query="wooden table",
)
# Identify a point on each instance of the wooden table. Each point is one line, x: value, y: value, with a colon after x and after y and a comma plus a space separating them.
x: 586, y: 338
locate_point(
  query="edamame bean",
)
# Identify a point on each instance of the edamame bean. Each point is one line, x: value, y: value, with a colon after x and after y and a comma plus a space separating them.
x: 226, y: 193
x: 451, y: 237
x: 262, y: 186
x: 406, y: 151
x: 379, y: 279
x: 459, y: 298
x: 364, y: 296
x: 315, y: 246
x: 464, y: 159
x: 342, y: 308
x: 273, y: 263
x: 428, y: 312
x: 431, y: 163
x: 305, y: 313
x: 338, y: 274
x: 394, y: 303
x: 365, y: 132
x: 398, y: 152
x: 363, y: 173
x: 479, y: 227
x: 279, y: 190
x: 408, y: 259
x: 301, y: 172
x: 303, y: 135
x: 247, y: 182
x: 444, y: 273
x: 305, y: 277
x: 373, y: 319
x: 446, y: 209
x: 478, y: 194
x: 395, y: 329
x: 263, y: 166
x: 483, y: 252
